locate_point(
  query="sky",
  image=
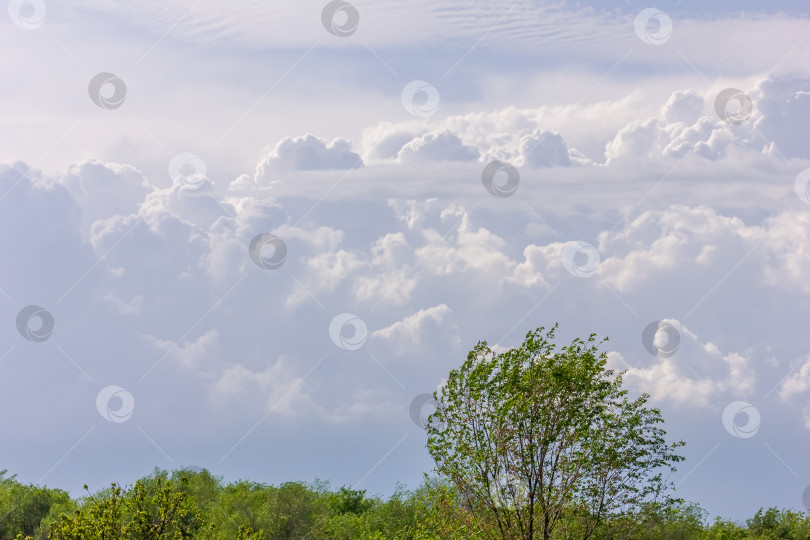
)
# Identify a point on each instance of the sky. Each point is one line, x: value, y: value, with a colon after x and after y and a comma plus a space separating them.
x: 251, y: 236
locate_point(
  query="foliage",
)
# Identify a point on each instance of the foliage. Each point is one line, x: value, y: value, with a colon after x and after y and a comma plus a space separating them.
x: 155, y: 508
x: 24, y: 507
x: 187, y: 504
x: 534, y: 438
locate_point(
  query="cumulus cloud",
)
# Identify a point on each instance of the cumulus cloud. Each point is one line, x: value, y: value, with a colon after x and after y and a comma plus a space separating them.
x: 437, y: 146
x: 686, y: 123
x: 798, y: 382
x: 783, y: 108
x: 657, y: 243
x: 655, y: 138
x: 470, y: 250
x: 198, y: 207
x: 419, y: 330
x: 384, y: 141
x: 509, y: 134
x: 278, y: 385
x: 683, y: 106
x: 104, y: 190
x: 390, y: 268
x: 695, y: 375
x: 544, y: 149
x: 411, y: 212
x: 42, y: 233
x: 190, y: 354
x: 679, y: 129
x: 131, y: 307
x: 788, y: 237
x: 307, y: 153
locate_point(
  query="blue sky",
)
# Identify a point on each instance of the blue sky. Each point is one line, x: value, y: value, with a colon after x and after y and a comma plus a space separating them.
x: 128, y: 213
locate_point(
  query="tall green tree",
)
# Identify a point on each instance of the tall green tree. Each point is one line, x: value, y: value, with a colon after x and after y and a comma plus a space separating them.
x: 537, y: 433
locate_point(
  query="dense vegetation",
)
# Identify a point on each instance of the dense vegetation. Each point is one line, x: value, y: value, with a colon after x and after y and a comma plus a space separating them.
x: 187, y: 504
x: 534, y: 442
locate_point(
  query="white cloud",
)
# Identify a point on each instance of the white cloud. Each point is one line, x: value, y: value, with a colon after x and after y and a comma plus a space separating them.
x: 788, y: 237
x: 468, y: 251
x: 437, y: 146
x: 708, y: 137
x: 384, y: 141
x: 190, y: 354
x: 411, y: 212
x: 683, y: 106
x: 389, y: 277
x: 697, y: 374
x: 657, y: 244
x: 509, y: 134
x: 544, y: 149
x: 798, y: 382
x: 306, y: 153
x: 540, y: 265
x: 105, y: 190
x: 198, y: 208
x: 419, y: 330
x: 278, y: 388
x: 133, y: 307
x: 783, y: 108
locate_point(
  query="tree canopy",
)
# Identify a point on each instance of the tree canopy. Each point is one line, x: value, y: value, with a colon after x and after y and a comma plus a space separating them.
x: 537, y: 438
